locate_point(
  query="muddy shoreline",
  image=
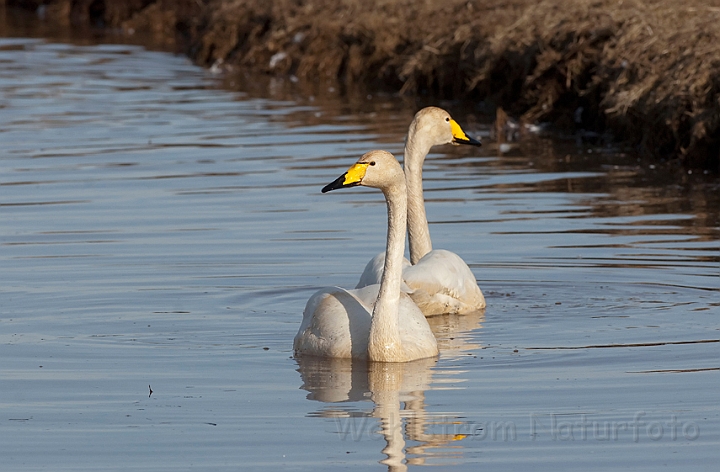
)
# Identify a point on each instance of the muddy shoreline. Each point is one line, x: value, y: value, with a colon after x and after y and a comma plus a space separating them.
x: 646, y: 73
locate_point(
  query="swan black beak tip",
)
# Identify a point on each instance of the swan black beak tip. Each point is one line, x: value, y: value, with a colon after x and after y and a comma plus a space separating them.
x: 335, y: 184
x: 469, y: 141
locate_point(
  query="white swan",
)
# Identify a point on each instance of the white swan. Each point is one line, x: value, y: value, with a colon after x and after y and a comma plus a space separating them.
x: 377, y: 322
x: 439, y: 281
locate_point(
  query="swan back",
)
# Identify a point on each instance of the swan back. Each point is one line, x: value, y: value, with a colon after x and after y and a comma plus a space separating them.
x: 337, y: 323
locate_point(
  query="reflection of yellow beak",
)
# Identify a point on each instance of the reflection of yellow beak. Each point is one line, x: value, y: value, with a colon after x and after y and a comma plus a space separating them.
x: 459, y: 136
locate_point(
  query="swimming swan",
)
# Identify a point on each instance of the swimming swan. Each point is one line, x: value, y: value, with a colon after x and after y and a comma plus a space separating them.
x: 439, y: 281
x: 377, y: 322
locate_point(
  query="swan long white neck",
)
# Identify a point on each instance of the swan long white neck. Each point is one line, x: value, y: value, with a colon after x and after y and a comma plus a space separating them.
x: 418, y: 230
x: 384, y: 340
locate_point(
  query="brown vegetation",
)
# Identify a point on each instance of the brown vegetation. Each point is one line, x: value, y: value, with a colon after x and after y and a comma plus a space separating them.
x: 648, y: 70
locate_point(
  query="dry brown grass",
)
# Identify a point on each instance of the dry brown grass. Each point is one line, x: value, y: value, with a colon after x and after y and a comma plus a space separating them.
x: 647, y: 70
x: 650, y: 70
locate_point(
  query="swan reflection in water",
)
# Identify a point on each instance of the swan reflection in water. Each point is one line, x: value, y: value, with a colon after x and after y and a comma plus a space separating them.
x: 397, y: 392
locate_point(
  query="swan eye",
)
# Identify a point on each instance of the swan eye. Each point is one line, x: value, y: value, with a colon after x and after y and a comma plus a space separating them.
x: 372, y: 163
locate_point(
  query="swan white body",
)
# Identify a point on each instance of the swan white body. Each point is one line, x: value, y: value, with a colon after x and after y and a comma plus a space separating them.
x: 438, y: 281
x: 377, y: 322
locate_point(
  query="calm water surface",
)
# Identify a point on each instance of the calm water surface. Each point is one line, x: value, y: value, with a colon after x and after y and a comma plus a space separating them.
x: 159, y: 231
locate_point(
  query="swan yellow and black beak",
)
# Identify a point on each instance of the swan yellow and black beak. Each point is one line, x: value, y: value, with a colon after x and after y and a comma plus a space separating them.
x: 459, y: 136
x: 351, y: 178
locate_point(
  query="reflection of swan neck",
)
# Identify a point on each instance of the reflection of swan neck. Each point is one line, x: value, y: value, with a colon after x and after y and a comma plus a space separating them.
x: 384, y: 339
x: 389, y: 385
x: 391, y: 425
x: 418, y: 230
x: 385, y: 381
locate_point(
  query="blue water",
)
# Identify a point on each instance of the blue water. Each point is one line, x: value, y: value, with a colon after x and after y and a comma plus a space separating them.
x: 162, y: 232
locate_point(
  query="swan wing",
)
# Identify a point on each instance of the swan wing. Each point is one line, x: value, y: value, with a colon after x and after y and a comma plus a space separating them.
x: 335, y: 323
x: 417, y: 338
x: 441, y: 282
x: 374, y: 270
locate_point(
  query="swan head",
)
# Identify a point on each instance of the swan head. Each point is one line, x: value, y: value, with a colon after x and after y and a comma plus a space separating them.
x: 378, y: 169
x: 439, y: 127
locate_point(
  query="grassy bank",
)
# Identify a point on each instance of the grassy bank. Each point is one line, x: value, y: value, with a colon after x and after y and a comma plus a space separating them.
x: 648, y: 71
